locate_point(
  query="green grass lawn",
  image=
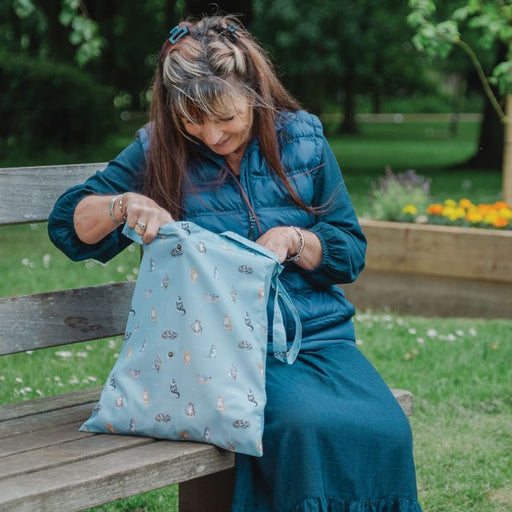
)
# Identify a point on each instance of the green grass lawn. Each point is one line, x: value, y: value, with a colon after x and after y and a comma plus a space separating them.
x: 426, y: 147
x: 459, y: 370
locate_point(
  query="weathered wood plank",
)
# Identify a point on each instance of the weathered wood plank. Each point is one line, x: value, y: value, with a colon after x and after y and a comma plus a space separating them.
x: 27, y: 194
x: 44, y: 421
x: 58, y: 318
x: 438, y: 250
x: 405, y: 399
x: 63, y: 453
x: 49, y: 403
x: 423, y: 295
x: 26, y: 442
x: 102, y: 479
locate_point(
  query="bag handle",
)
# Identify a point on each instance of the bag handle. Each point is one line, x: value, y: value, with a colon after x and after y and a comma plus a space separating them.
x: 279, y: 342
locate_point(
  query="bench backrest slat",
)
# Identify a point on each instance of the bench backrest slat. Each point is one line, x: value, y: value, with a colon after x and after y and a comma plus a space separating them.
x: 58, y: 318
x: 27, y: 194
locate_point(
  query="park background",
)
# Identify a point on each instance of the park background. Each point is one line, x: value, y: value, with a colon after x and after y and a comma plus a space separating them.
x: 74, y: 82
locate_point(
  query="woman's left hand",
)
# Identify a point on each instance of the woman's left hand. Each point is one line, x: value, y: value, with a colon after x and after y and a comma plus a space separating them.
x: 285, y: 242
x: 281, y: 240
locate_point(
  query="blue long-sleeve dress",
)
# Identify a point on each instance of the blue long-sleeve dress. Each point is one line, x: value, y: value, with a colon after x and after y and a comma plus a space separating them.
x: 335, y: 438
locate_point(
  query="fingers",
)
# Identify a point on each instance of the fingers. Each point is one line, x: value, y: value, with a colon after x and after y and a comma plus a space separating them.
x: 279, y: 240
x: 145, y: 216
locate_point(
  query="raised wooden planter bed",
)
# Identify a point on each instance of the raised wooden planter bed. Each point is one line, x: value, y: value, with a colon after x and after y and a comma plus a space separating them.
x: 435, y: 270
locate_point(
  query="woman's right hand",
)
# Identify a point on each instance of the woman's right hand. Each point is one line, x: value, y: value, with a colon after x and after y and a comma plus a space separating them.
x: 93, y: 222
x: 144, y: 215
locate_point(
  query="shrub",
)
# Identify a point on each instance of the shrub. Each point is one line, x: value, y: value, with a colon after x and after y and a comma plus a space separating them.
x: 44, y: 103
x: 400, y: 197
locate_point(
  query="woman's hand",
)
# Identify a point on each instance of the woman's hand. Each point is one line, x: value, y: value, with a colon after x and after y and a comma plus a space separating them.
x: 282, y: 240
x: 286, y: 242
x: 144, y: 215
x: 93, y: 222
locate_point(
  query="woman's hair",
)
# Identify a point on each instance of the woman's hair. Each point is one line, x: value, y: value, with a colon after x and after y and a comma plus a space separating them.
x: 196, y: 78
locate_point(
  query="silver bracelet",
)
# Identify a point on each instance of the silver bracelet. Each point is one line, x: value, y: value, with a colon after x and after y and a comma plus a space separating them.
x: 302, y: 243
x: 111, y: 211
x: 121, y: 201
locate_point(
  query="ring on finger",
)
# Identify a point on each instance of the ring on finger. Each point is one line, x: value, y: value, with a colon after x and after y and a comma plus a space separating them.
x: 141, y: 225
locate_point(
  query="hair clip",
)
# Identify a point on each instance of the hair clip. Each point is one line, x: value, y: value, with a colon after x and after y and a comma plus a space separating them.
x: 177, y: 33
x: 231, y: 32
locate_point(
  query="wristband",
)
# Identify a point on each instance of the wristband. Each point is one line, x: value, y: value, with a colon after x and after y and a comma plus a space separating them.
x: 302, y: 243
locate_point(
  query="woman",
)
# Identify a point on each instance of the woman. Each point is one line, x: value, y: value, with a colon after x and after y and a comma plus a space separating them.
x: 229, y: 149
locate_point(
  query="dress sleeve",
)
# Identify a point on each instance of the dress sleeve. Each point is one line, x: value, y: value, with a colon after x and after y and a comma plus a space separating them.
x: 123, y: 174
x: 343, y: 242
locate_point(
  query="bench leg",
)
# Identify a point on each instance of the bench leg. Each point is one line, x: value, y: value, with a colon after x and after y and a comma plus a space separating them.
x: 212, y: 493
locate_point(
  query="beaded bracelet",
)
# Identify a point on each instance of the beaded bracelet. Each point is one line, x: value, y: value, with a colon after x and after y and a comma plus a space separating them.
x: 111, y: 210
x: 121, y: 201
x: 302, y: 243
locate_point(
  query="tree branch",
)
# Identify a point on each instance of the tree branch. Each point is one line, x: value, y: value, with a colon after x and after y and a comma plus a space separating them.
x: 481, y: 75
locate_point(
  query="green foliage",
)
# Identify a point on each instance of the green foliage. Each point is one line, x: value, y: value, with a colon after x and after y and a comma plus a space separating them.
x: 395, y: 192
x: 48, y: 104
x: 84, y: 34
x: 84, y: 31
x: 321, y: 46
x: 492, y: 20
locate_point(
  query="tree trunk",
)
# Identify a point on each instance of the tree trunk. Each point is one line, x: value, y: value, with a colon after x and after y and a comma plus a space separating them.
x: 490, y: 145
x: 507, y: 155
x: 492, y: 132
x: 349, y: 124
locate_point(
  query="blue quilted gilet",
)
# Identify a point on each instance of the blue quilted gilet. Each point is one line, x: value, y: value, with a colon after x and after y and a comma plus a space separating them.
x: 215, y: 199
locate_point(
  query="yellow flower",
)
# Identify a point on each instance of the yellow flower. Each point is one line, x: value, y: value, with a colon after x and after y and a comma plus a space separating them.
x: 410, y: 208
x: 465, y: 203
x: 453, y: 213
x: 474, y: 216
x: 491, y: 217
x: 506, y: 213
x: 450, y: 203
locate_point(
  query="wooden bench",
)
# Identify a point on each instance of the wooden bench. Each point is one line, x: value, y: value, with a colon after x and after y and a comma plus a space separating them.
x: 45, y: 463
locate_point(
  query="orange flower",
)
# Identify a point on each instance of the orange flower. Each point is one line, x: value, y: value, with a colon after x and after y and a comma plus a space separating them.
x: 500, y: 204
x: 435, y: 209
x: 500, y: 222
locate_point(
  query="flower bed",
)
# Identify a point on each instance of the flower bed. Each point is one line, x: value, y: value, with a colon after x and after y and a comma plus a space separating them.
x: 462, y: 213
x: 435, y: 270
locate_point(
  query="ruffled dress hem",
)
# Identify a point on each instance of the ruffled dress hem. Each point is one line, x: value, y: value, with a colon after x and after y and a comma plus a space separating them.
x: 321, y: 504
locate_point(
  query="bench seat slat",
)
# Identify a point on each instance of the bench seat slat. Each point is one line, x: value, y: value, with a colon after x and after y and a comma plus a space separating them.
x: 49, y: 403
x: 28, y: 193
x: 64, y: 453
x: 44, y: 438
x: 58, y: 318
x: 45, y: 420
x: 101, y: 479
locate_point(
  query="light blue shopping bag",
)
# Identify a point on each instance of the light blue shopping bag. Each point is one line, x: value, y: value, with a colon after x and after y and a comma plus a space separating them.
x: 192, y: 366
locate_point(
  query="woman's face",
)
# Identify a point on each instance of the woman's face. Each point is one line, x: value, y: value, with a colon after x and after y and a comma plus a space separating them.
x: 228, y: 133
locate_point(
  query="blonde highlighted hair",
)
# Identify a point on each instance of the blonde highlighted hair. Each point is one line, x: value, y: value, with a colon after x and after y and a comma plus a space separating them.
x: 195, y: 79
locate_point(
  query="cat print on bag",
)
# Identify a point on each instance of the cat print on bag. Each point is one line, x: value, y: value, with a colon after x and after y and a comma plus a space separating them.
x: 226, y: 323
x: 179, y: 305
x: 177, y: 251
x: 174, y: 388
x: 197, y: 327
x: 190, y: 410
